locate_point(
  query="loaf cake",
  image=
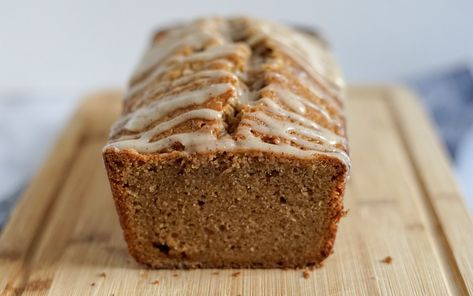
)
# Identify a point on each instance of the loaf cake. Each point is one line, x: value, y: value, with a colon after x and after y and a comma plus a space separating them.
x: 231, y: 151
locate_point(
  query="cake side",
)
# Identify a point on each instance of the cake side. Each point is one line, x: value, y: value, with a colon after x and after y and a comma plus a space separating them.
x: 224, y: 108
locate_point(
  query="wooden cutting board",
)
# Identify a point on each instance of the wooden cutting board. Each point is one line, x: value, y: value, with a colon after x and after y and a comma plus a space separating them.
x: 64, y: 238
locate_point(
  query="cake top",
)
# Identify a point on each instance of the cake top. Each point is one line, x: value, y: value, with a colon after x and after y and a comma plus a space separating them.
x: 234, y: 84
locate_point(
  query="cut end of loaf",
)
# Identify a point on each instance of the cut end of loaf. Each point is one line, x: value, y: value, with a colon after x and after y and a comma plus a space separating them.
x: 227, y: 210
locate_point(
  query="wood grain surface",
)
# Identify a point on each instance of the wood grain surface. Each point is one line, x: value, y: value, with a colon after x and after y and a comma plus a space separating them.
x: 408, y: 231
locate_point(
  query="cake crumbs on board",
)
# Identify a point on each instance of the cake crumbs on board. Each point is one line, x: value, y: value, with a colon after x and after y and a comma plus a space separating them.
x: 306, y: 274
x: 144, y: 274
x: 387, y: 260
x: 155, y: 282
x: 235, y: 274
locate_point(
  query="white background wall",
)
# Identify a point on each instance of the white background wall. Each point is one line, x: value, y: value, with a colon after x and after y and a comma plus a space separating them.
x: 83, y: 44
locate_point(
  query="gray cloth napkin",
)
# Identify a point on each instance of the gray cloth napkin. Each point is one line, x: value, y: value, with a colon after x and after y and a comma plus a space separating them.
x: 449, y: 98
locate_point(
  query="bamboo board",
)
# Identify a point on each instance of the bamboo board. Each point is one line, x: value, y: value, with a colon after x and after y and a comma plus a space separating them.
x: 64, y: 238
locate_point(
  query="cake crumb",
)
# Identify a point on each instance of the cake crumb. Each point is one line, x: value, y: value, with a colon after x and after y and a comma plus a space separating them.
x: 387, y: 260
x: 144, y: 274
x: 215, y: 273
x: 175, y: 275
x: 92, y: 284
x: 102, y: 274
x: 306, y: 274
x: 235, y: 274
x: 155, y: 282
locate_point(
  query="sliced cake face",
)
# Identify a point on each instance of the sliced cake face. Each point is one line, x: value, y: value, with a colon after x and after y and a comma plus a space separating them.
x: 231, y: 151
x: 227, y: 210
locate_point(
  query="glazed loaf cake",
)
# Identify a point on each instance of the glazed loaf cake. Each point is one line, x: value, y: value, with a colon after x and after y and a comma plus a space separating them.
x: 231, y: 151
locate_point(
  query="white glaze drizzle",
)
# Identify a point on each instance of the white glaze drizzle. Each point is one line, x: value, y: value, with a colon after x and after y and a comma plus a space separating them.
x: 193, y: 142
x: 189, y: 77
x: 143, y: 117
x: 310, y: 137
x: 310, y: 55
x: 157, y: 53
x: 194, y: 35
x: 314, y: 89
x: 212, y: 53
x: 296, y: 103
x: 299, y: 104
x: 322, y: 132
x: 142, y: 143
x: 212, y: 74
x: 252, y: 142
x: 286, y: 130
